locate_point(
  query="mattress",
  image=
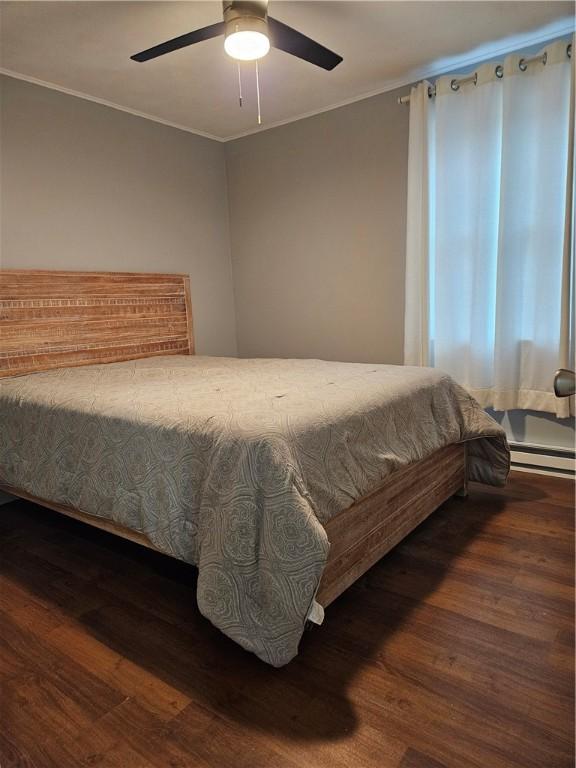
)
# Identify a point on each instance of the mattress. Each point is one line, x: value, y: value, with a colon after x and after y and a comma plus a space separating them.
x: 235, y: 465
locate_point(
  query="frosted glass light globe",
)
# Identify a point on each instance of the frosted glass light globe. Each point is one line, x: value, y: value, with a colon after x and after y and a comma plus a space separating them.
x: 246, y: 45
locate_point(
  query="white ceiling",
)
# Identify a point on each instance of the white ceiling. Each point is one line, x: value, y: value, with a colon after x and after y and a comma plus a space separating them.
x: 85, y: 47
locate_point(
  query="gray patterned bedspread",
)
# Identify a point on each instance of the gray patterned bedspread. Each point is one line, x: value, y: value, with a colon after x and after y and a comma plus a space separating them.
x: 234, y: 465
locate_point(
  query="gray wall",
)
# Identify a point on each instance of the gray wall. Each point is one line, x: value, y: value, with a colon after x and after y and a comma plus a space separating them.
x: 89, y: 187
x: 317, y: 222
x: 318, y: 216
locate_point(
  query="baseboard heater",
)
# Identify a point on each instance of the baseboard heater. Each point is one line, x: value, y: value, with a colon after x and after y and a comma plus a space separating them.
x: 541, y: 459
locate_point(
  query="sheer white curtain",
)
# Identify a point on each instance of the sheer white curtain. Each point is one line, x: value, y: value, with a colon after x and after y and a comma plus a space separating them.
x: 416, y: 321
x: 489, y: 230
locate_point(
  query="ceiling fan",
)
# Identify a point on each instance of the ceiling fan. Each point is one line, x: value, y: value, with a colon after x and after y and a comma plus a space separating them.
x: 248, y: 34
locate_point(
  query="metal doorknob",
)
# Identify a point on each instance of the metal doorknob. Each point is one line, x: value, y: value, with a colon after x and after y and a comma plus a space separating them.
x: 564, y: 383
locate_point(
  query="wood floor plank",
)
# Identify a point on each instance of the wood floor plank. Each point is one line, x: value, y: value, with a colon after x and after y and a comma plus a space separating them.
x: 15, y: 756
x: 506, y: 606
x: 415, y: 759
x: 151, y: 738
x: 446, y: 720
x: 57, y: 669
x: 133, y: 680
x: 454, y: 651
x: 477, y: 677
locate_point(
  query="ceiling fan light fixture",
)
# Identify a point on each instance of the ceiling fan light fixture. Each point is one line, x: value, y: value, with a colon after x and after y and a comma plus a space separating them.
x: 246, y: 30
x: 249, y: 33
x: 247, y: 44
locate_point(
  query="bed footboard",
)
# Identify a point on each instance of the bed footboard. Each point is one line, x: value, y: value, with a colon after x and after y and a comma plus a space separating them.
x: 360, y: 535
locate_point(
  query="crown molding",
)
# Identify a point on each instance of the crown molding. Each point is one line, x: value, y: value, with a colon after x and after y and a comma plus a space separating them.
x: 444, y: 66
x: 480, y: 54
x: 106, y: 103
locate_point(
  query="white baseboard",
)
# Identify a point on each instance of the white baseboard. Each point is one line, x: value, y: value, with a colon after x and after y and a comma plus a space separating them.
x: 544, y: 460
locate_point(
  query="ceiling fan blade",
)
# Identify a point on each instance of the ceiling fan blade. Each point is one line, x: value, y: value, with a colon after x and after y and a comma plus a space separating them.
x: 290, y: 40
x: 180, y: 42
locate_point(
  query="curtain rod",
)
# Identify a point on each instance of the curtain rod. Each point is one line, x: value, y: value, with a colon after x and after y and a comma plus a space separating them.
x: 498, y: 71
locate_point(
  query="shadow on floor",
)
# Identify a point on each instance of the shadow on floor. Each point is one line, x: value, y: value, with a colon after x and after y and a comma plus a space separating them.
x: 142, y: 605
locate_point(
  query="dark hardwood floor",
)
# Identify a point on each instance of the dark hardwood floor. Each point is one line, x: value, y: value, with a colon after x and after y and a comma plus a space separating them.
x: 455, y: 651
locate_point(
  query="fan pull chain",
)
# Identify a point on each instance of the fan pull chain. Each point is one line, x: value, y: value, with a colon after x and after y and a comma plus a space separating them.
x: 258, y: 94
x: 239, y: 85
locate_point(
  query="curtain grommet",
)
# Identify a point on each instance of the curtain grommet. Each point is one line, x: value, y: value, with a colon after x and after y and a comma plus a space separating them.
x: 569, y: 50
x: 455, y: 85
x: 523, y: 63
x: 499, y: 71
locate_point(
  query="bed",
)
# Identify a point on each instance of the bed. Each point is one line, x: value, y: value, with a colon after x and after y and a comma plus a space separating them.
x: 283, y: 481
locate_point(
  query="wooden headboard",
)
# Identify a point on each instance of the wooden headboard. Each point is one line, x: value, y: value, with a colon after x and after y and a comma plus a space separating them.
x: 60, y: 319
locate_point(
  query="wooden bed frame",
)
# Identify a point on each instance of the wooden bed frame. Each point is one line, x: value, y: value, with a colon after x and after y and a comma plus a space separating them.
x: 61, y: 319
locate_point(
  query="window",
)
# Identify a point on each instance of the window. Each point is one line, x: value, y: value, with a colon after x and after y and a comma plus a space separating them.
x: 490, y: 222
